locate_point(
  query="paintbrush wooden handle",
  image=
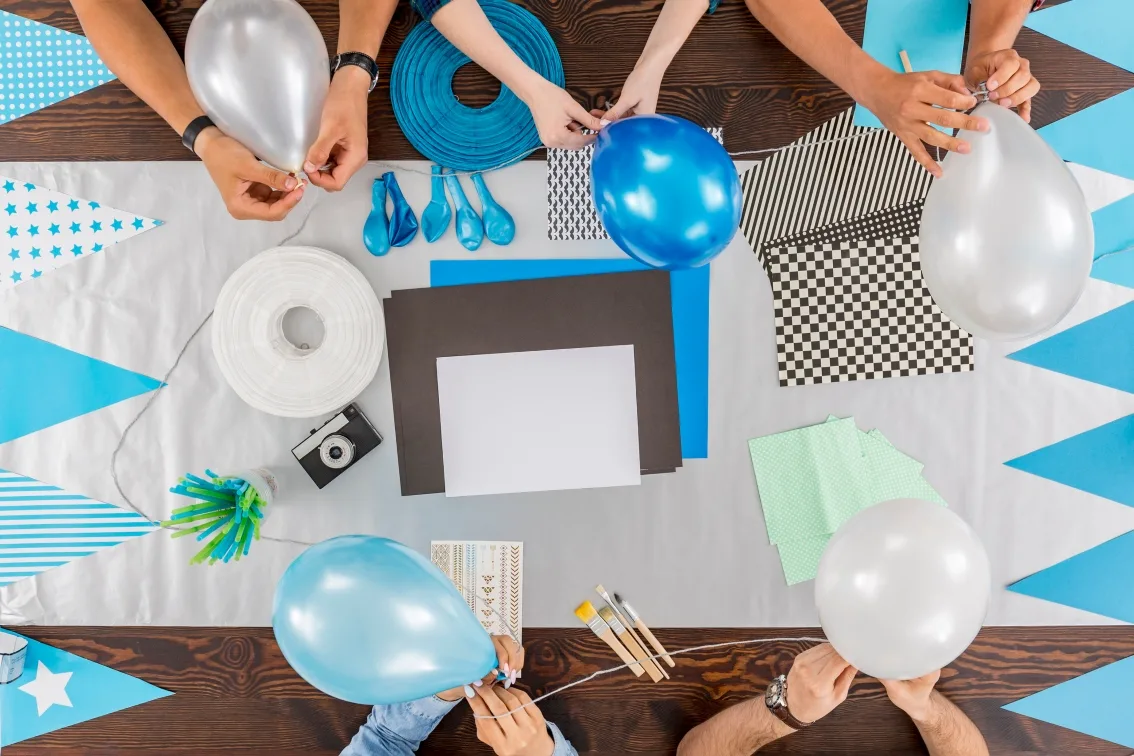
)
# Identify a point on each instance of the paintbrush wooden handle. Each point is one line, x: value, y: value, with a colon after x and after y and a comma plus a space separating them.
x: 639, y: 653
x: 658, y: 647
x: 608, y: 636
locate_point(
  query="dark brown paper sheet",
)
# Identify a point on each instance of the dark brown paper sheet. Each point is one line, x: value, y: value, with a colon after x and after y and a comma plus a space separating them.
x: 521, y: 316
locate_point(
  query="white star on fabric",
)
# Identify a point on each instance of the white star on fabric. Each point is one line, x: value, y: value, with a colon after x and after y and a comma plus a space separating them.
x: 48, y: 688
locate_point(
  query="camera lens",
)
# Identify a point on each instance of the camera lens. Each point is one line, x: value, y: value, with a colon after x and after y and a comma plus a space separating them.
x: 336, y: 452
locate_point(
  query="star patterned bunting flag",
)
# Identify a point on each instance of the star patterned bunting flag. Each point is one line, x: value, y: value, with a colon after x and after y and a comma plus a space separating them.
x: 59, y: 689
x: 42, y: 230
x: 41, y: 65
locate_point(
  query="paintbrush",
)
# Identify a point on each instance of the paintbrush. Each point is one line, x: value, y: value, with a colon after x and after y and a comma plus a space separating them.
x: 635, y: 648
x: 645, y: 631
x: 587, y: 613
x: 613, y: 603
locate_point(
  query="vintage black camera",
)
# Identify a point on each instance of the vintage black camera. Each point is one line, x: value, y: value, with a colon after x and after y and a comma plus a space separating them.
x: 342, y: 441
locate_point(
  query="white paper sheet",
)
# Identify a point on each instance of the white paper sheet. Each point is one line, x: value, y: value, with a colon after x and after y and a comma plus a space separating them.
x: 539, y: 421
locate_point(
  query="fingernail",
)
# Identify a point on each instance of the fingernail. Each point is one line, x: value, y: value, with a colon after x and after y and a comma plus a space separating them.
x: 505, y: 667
x: 508, y: 683
x: 963, y: 148
x: 310, y: 167
x: 992, y: 85
x: 512, y: 679
x: 289, y: 183
x: 1006, y: 102
x: 495, y: 672
x: 478, y: 683
x: 469, y: 692
x: 604, y: 122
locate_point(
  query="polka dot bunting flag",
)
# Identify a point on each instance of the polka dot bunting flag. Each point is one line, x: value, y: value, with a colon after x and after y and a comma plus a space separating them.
x: 41, y: 65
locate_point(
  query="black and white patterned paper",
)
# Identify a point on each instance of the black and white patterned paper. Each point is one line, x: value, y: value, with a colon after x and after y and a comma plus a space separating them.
x: 836, y: 172
x: 857, y: 310
x: 891, y: 223
x: 571, y: 214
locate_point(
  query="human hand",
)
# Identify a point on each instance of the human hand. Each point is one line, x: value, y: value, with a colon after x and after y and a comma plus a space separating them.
x: 914, y: 697
x: 559, y: 118
x: 520, y: 729
x: 510, y: 657
x: 1008, y: 78
x: 907, y: 103
x: 639, y: 94
x: 342, y: 143
x: 250, y: 189
x: 819, y: 681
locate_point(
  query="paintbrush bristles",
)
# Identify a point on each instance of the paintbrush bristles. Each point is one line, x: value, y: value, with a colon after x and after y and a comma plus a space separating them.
x: 608, y: 617
x: 586, y: 611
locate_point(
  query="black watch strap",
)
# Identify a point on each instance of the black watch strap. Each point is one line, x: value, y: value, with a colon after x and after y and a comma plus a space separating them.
x: 776, y: 699
x: 194, y: 129
x: 362, y: 60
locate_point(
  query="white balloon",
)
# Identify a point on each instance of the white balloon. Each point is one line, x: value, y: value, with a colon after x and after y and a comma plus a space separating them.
x: 903, y: 589
x: 1007, y: 240
x: 260, y: 70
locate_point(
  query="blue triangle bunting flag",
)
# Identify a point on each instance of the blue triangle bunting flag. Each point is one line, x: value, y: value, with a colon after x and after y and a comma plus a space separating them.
x: 1094, y: 137
x: 1099, y: 461
x: 41, y: 230
x: 1097, y: 27
x: 1100, y: 580
x: 58, y: 689
x: 1114, y: 243
x: 1097, y: 703
x: 41, y: 65
x: 42, y: 384
x: 43, y: 526
x: 1099, y: 350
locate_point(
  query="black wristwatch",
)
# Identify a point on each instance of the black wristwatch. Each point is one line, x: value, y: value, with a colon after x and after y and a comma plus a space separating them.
x: 775, y: 698
x: 194, y: 129
x: 362, y: 60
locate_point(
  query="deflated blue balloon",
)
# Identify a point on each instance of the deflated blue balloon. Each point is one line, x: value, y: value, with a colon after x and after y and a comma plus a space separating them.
x: 666, y: 191
x: 370, y: 621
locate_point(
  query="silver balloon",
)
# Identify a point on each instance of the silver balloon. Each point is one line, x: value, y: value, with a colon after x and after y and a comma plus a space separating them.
x: 260, y: 70
x: 903, y: 589
x: 1006, y: 235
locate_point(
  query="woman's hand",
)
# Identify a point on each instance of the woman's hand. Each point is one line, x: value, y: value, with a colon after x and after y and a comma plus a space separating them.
x: 510, y: 660
x: 639, y: 95
x: 510, y: 724
x: 558, y: 117
x: 1008, y: 78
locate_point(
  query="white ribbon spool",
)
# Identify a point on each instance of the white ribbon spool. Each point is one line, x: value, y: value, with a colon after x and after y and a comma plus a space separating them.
x: 269, y: 372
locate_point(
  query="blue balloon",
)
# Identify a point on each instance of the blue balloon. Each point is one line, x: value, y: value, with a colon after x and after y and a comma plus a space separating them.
x: 666, y: 191
x: 371, y: 621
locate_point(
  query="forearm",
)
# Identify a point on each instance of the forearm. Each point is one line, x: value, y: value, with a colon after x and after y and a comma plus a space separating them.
x: 463, y: 23
x: 947, y: 731
x: 737, y: 731
x: 674, y: 25
x: 994, y: 24
x: 134, y: 46
x: 363, y: 24
x: 809, y: 30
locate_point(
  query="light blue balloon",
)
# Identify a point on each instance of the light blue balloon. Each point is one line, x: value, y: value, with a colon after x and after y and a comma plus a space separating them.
x: 370, y: 621
x: 665, y: 190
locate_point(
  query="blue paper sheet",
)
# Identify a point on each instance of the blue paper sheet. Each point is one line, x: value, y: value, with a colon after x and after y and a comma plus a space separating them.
x: 1097, y: 703
x: 42, y: 384
x: 59, y: 689
x: 1098, y: 580
x: 932, y: 33
x: 1096, y: 137
x: 1100, y: 461
x: 1097, y: 27
x: 690, y: 293
x: 1099, y: 350
x: 1114, y: 243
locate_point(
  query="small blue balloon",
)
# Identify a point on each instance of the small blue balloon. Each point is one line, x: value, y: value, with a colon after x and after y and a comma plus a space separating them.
x: 371, y: 621
x: 666, y: 191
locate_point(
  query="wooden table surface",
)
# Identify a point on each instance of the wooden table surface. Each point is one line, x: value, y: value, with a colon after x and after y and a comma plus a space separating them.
x: 730, y: 72
x: 235, y: 694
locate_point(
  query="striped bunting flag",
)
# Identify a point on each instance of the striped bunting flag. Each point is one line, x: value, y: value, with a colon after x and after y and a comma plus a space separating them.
x: 805, y: 188
x: 43, y: 526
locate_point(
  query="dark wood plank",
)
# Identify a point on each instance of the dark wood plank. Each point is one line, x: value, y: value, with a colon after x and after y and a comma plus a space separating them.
x: 236, y: 694
x: 730, y: 72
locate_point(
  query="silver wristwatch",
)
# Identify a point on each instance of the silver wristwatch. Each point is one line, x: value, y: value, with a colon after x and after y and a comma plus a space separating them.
x: 775, y: 698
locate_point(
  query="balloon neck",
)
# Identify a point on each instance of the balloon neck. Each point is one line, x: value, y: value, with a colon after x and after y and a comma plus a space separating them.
x: 981, y: 93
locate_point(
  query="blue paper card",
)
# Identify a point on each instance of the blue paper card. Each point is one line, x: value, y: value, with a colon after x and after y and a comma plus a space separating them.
x: 41, y: 65
x: 1099, y: 461
x: 1099, y: 350
x: 59, y: 689
x: 1114, y: 243
x: 1097, y: 27
x: 690, y: 294
x: 42, y: 384
x: 1097, y: 703
x: 1099, y: 580
x: 932, y: 32
x: 1094, y: 137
